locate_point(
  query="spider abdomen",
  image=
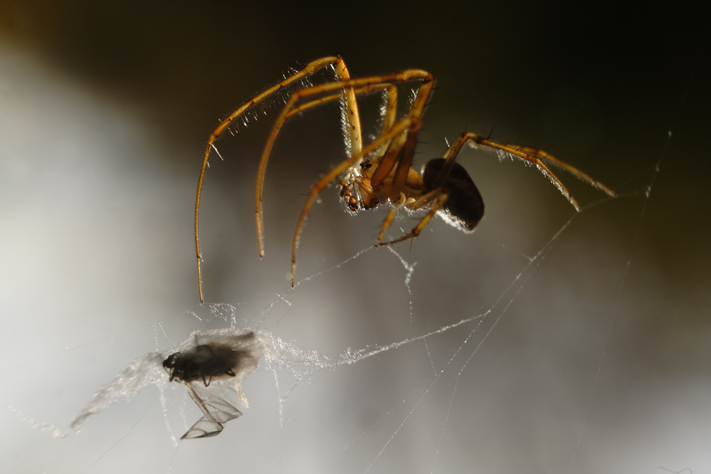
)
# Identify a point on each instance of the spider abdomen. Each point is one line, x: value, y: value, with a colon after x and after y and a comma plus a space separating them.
x: 464, y: 206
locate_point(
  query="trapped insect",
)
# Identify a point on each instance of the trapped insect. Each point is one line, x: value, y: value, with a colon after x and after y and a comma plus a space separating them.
x: 217, y: 362
x: 212, y: 372
x: 381, y: 172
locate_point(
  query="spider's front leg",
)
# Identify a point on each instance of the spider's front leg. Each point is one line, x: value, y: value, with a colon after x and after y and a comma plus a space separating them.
x: 311, y: 68
x: 359, y: 86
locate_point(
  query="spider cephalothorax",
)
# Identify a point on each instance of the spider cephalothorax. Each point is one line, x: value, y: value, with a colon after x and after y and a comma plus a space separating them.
x: 359, y: 193
x: 381, y: 172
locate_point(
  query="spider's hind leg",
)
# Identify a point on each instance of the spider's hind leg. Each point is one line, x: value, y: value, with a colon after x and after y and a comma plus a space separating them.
x: 534, y: 157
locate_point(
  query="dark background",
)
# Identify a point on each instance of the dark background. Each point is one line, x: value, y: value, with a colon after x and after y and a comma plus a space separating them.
x: 600, y: 362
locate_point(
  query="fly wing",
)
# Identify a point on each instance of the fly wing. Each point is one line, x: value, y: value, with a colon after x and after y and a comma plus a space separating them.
x: 212, y: 424
x: 217, y: 410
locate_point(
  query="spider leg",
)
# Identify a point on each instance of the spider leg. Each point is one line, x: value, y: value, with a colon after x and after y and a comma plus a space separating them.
x: 421, y: 202
x: 334, y: 97
x: 362, y: 85
x: 389, y: 114
x: 386, y: 224
x: 347, y: 89
x: 401, y: 126
x: 437, y: 198
x: 544, y: 156
x: 397, y: 151
x: 351, y: 124
x: 523, y: 153
x: 310, y: 69
x: 402, y: 150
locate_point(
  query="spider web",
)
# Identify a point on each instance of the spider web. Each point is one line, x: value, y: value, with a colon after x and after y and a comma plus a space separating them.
x: 480, y: 352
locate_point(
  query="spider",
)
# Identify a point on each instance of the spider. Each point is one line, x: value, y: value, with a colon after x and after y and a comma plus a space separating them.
x: 381, y: 172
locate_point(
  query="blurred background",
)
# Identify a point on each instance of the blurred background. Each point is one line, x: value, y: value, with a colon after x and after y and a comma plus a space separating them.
x: 595, y: 358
